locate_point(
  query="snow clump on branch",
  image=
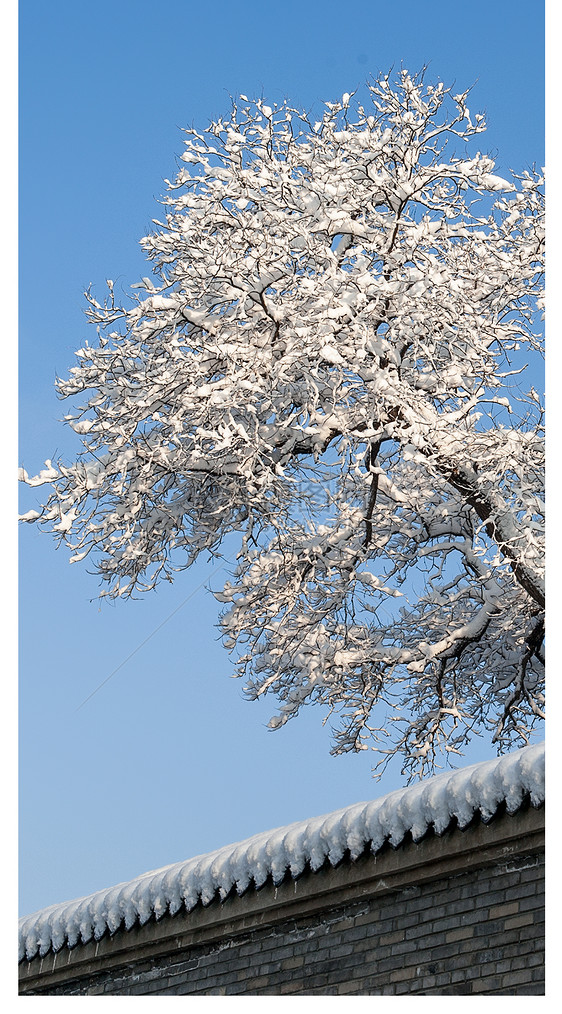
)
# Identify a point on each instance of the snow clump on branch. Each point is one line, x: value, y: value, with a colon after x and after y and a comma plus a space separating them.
x: 329, y: 364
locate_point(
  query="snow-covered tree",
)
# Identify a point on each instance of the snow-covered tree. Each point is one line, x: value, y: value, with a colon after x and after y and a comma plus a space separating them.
x: 329, y: 362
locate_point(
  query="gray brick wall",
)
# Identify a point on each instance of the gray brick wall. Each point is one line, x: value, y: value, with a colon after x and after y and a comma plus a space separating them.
x: 477, y: 930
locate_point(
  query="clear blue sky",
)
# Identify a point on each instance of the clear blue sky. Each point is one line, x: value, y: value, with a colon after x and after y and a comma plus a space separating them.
x: 167, y: 760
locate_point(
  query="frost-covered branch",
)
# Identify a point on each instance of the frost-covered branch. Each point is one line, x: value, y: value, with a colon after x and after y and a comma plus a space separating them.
x: 329, y: 361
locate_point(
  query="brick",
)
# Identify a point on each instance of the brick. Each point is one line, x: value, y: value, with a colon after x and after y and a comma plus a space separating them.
x: 392, y: 938
x: 510, y: 881
x: 409, y: 946
x: 400, y: 988
x: 367, y: 918
x: 252, y: 947
x: 487, y: 968
x: 431, y: 913
x: 270, y: 967
x: 463, y: 962
x: 401, y: 974
x: 523, y: 975
x: 521, y: 891
x: 463, y: 933
x: 532, y: 902
x: 291, y: 987
x: 358, y: 933
x: 346, y: 987
x: 386, y: 965
x: 450, y: 923
x: 526, y: 919
x: 310, y: 946
x: 531, y: 875
x: 533, y: 959
x: 458, y: 975
x: 405, y: 921
x: 444, y: 951
x: 428, y: 981
x: 157, y: 987
x: 494, y: 931
x: 519, y: 950
x: 474, y: 916
x: 511, y: 908
x: 259, y: 981
x: 533, y: 989
x: 376, y: 954
x: 486, y: 985
x: 294, y: 962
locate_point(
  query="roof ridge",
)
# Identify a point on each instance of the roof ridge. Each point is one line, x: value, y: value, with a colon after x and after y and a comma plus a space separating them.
x: 460, y: 794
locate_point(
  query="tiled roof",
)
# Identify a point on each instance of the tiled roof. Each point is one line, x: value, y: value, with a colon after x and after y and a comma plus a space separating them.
x: 434, y: 803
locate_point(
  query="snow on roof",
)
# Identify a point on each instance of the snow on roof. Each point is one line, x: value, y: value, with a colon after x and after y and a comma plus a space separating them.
x: 431, y: 803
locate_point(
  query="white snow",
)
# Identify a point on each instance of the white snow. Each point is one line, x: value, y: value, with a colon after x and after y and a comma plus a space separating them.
x: 301, y: 316
x: 433, y: 802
